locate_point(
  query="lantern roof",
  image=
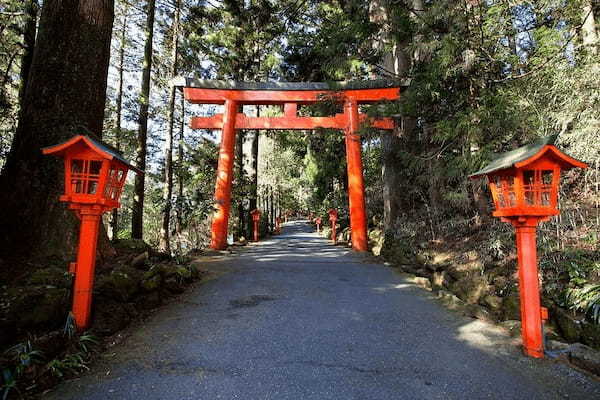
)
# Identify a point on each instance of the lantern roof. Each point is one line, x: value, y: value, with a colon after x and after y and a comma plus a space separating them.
x: 527, y: 154
x: 99, y: 147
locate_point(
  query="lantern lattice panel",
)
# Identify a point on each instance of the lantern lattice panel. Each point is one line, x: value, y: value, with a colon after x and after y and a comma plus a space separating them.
x: 85, y: 176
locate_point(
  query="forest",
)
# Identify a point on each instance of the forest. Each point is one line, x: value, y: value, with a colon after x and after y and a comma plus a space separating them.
x: 477, y: 78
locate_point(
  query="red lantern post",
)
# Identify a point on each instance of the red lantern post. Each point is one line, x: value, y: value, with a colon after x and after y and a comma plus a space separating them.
x: 255, y: 221
x: 318, y: 222
x: 333, y: 217
x: 94, y: 179
x: 524, y: 185
x: 278, y: 225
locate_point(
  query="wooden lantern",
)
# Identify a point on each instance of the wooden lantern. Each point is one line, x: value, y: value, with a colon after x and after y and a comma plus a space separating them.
x: 255, y: 220
x: 333, y: 217
x: 94, y: 173
x: 94, y: 178
x: 524, y: 184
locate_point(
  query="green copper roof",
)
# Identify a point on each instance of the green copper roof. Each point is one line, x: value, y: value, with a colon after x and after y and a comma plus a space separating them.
x: 509, y: 159
x: 233, y: 85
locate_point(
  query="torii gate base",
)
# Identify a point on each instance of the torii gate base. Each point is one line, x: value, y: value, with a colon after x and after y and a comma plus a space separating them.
x: 290, y: 95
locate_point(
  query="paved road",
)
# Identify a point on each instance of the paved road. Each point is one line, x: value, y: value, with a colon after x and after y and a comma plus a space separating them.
x: 297, y: 318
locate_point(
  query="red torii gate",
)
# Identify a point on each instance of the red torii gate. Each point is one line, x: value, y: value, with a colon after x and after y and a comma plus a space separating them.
x: 290, y: 95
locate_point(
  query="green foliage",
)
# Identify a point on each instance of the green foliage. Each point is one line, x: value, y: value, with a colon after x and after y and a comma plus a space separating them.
x: 22, y: 358
x: 585, y: 299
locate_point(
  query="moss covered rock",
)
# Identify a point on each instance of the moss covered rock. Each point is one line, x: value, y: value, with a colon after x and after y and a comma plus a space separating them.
x: 38, y: 306
x: 470, y: 289
x: 135, y: 245
x: 570, y: 327
x: 52, y: 276
x: 398, y: 252
x: 121, y: 283
x: 152, y: 283
x: 590, y: 334
x: 511, y: 307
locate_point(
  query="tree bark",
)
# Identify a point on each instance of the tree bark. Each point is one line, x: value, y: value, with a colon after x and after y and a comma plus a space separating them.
x: 65, y: 95
x: 168, y: 189
x: 241, y: 182
x: 179, y: 208
x: 29, y: 32
x: 588, y: 29
x: 396, y: 64
x: 137, y: 215
x: 113, y: 229
x: 253, y: 172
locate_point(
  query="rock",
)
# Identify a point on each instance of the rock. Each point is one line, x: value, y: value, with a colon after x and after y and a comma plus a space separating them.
x: 570, y: 327
x: 492, y: 301
x: 511, y: 307
x: 440, y: 279
x: 476, y: 311
x: 131, y: 244
x: 441, y: 259
x: 470, y: 289
x: 590, y: 334
x: 376, y: 239
x: 501, y: 282
x: 120, y: 283
x: 493, y: 272
x: 449, y: 299
x: 422, y: 282
x: 556, y: 345
x: 160, y: 256
x: 38, y: 306
x: 174, y: 286
x: 152, y: 283
x: 183, y: 272
x: 513, y: 327
x: 53, y: 276
x: 584, y: 357
x: 140, y: 261
x: 466, y: 270
x: 398, y: 252
x: 421, y: 258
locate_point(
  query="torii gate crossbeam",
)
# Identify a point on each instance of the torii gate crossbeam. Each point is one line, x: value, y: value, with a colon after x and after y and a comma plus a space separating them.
x: 289, y: 94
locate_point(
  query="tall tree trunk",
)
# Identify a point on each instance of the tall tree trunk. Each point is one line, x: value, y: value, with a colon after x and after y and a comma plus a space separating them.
x: 239, y: 158
x: 253, y: 172
x: 179, y: 207
x: 395, y: 64
x: 29, y: 31
x: 114, y: 220
x: 588, y: 30
x: 65, y: 95
x: 137, y: 215
x: 168, y: 189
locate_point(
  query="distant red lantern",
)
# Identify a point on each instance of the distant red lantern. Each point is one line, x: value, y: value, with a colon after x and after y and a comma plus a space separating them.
x: 94, y: 178
x: 524, y: 184
x: 333, y: 217
x: 255, y: 221
x: 278, y: 225
x: 318, y: 222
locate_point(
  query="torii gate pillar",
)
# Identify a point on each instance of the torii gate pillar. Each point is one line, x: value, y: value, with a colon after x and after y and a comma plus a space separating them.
x: 356, y: 183
x: 224, y: 178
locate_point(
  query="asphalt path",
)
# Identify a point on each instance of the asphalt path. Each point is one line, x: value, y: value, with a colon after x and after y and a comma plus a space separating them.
x: 295, y: 317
